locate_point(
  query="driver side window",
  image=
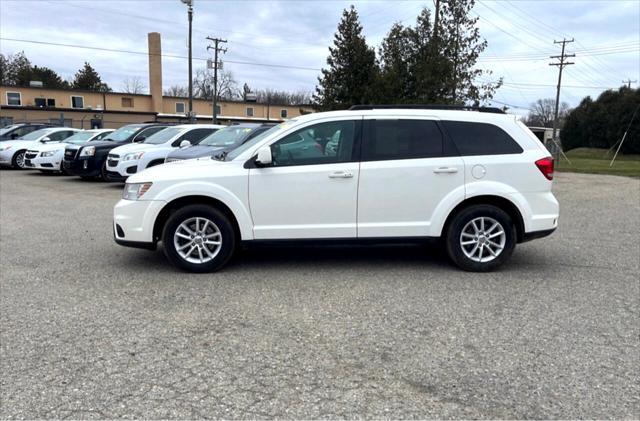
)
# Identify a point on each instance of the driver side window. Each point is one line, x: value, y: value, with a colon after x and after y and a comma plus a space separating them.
x: 323, y: 143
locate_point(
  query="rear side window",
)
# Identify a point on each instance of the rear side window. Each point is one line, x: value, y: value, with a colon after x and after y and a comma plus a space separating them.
x: 402, y: 139
x: 480, y: 138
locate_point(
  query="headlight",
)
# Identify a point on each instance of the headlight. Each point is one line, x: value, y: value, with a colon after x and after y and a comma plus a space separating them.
x: 132, y: 156
x: 88, y: 151
x: 5, y: 148
x: 134, y: 191
x: 48, y: 153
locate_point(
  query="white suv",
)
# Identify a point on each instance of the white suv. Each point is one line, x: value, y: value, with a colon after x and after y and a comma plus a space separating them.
x: 476, y: 178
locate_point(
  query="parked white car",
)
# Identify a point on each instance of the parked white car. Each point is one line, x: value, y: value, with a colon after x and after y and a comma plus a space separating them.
x: 48, y: 157
x: 133, y: 158
x: 477, y: 179
x: 12, y: 152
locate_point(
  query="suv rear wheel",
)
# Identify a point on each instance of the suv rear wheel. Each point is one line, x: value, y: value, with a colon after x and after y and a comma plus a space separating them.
x: 480, y: 238
x: 198, y: 238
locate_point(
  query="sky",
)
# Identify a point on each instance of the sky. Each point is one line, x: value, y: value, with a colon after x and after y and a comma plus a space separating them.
x: 263, y: 36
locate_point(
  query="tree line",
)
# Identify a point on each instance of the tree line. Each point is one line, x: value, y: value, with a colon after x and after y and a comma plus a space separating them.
x: 433, y: 61
x: 17, y: 70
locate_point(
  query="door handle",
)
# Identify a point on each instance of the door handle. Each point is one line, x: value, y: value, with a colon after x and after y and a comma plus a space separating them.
x: 445, y: 170
x: 341, y: 174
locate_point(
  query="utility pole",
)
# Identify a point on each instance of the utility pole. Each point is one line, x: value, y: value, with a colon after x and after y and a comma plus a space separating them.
x: 216, y: 64
x: 189, y: 3
x: 561, y: 64
x: 628, y: 82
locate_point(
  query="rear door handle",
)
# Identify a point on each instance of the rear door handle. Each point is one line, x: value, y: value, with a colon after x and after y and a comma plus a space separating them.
x: 341, y: 174
x: 445, y: 170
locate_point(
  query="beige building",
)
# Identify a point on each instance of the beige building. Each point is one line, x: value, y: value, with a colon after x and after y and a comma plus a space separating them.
x: 86, y: 109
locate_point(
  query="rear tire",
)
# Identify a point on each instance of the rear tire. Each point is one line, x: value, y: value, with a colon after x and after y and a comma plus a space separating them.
x: 103, y: 172
x: 480, y: 238
x: 199, y: 238
x: 18, y: 160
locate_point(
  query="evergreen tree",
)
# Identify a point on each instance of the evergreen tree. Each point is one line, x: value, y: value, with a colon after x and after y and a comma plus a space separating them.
x: 396, y: 83
x: 602, y: 123
x: 15, y: 70
x: 88, y: 79
x: 352, y: 68
x: 48, y: 77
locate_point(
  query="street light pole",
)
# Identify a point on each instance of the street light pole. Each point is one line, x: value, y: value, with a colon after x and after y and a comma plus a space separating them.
x: 189, y: 3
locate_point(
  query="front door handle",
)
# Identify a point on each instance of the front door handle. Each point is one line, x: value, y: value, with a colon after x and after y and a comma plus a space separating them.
x: 445, y: 170
x: 341, y: 174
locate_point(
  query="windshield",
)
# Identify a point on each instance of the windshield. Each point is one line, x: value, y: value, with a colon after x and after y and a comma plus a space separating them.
x: 35, y: 135
x: 163, y: 136
x: 79, y: 137
x: 237, y: 151
x: 123, y: 133
x: 227, y: 137
x: 7, y: 129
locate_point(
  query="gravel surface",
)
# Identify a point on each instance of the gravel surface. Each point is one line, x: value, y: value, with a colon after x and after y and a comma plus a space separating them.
x: 90, y: 329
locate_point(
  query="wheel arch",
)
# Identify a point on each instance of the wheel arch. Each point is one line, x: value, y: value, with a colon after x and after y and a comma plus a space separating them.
x: 498, y: 201
x: 183, y: 201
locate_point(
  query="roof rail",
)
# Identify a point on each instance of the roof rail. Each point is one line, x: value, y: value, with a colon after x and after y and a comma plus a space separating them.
x: 494, y: 110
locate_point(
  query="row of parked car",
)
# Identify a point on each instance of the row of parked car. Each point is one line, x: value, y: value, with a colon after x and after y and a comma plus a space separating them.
x: 114, y: 155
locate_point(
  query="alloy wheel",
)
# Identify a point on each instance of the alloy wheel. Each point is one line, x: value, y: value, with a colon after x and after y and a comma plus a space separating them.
x: 197, y: 240
x: 482, y: 239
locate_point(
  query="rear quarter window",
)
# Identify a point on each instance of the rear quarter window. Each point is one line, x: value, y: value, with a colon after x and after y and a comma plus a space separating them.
x: 473, y: 138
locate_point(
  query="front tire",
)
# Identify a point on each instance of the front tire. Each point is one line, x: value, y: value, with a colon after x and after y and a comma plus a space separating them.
x: 18, y: 160
x: 480, y: 238
x: 199, y: 238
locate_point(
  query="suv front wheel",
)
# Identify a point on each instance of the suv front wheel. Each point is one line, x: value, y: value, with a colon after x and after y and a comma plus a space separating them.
x: 480, y: 238
x: 198, y: 238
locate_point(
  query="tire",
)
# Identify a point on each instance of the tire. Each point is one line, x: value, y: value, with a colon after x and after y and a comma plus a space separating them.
x: 103, y: 172
x: 218, y: 228
x: 476, y: 248
x: 18, y: 160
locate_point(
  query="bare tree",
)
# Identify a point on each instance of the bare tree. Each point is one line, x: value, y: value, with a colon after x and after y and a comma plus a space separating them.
x: 133, y: 85
x: 542, y: 111
x: 276, y: 97
x: 177, y: 90
x: 227, y: 85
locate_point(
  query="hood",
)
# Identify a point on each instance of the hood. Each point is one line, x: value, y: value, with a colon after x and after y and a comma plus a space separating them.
x: 99, y: 144
x: 21, y: 144
x: 132, y: 147
x: 46, y: 147
x: 195, y: 151
x: 181, y: 170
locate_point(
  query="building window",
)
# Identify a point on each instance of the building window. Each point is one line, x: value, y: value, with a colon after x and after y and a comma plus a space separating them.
x: 180, y: 107
x: 40, y: 102
x: 51, y: 102
x: 77, y: 101
x: 249, y: 111
x: 14, y: 98
x: 283, y: 113
x: 127, y: 102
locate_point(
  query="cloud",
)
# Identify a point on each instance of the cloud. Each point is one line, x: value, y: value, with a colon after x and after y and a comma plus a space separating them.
x: 299, y: 33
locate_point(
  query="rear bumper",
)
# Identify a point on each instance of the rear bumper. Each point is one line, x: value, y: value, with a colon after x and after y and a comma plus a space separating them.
x: 533, y: 235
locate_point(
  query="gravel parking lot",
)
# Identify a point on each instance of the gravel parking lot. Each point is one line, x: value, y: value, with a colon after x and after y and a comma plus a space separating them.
x: 90, y: 329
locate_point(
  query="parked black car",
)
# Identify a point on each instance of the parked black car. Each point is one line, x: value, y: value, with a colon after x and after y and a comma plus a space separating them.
x: 16, y: 131
x: 220, y: 142
x: 90, y: 159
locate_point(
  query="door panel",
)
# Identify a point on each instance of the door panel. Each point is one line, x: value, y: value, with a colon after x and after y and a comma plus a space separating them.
x: 309, y: 201
x: 310, y: 190
x: 407, y: 170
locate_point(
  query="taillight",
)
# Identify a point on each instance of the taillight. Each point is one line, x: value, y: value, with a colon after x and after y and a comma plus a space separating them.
x: 545, y: 165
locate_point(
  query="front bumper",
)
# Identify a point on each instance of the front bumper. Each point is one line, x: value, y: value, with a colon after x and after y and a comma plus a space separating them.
x: 120, y: 168
x: 134, y: 220
x: 48, y: 163
x: 87, y: 166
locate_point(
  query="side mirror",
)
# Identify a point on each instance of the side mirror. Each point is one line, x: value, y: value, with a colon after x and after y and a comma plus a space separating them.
x: 139, y: 139
x: 264, y: 156
x: 185, y: 143
x: 45, y: 139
